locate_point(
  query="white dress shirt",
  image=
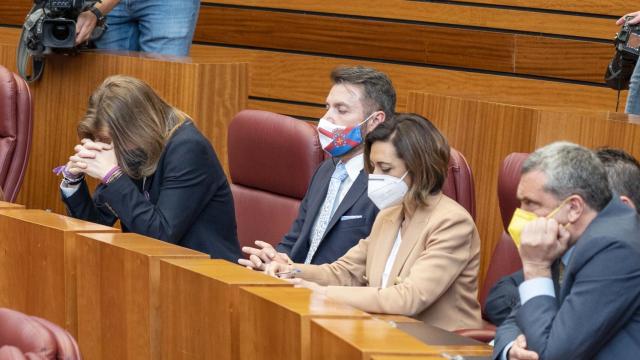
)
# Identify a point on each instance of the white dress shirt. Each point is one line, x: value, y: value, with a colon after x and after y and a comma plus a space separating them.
x: 390, y: 260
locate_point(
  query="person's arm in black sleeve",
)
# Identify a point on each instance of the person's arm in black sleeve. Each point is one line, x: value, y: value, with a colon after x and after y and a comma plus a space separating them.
x: 188, y: 183
x: 81, y: 206
x: 503, y: 298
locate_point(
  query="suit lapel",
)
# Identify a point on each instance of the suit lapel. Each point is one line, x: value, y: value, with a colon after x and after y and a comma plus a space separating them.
x: 355, y: 191
x: 380, y: 249
x: 412, y: 236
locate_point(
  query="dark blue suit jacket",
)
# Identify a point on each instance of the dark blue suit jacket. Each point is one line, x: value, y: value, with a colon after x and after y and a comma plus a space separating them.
x: 597, y: 312
x: 189, y: 200
x: 342, y: 233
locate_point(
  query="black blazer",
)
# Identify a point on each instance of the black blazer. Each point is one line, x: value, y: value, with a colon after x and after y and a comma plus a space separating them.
x: 596, y: 314
x: 187, y: 201
x: 351, y: 222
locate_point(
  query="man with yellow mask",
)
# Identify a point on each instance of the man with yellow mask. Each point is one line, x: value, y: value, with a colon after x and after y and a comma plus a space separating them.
x: 590, y: 306
x: 623, y: 172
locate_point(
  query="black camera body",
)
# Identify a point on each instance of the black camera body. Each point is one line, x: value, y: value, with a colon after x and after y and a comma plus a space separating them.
x: 59, y: 24
x: 627, y: 43
x: 628, y: 39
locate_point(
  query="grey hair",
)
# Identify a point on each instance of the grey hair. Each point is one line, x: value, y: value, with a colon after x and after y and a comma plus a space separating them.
x: 571, y: 170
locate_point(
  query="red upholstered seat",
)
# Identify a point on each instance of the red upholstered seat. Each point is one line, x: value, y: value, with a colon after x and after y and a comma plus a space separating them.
x: 505, y: 258
x: 15, y: 131
x: 272, y: 158
x: 34, y: 337
x: 459, y: 184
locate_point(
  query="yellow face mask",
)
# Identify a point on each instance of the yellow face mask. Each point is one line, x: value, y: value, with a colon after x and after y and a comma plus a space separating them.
x: 521, y: 218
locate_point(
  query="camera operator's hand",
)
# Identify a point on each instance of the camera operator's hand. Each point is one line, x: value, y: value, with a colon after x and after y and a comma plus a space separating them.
x: 635, y: 20
x: 84, y: 26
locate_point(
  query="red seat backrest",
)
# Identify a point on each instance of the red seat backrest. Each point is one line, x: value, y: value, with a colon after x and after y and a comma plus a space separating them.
x: 15, y: 131
x: 505, y: 259
x: 272, y: 158
x: 459, y: 184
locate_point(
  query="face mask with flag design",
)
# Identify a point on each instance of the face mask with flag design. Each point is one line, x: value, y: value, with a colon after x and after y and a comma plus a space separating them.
x: 338, y: 140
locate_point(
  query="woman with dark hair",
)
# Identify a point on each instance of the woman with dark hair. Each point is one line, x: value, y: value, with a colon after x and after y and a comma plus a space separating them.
x: 159, y: 175
x: 422, y: 256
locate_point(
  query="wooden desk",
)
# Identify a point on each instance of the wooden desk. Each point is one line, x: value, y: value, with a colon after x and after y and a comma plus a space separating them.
x: 486, y: 130
x: 118, y: 294
x: 361, y: 339
x: 275, y: 322
x: 198, y: 306
x: 8, y: 205
x: 427, y: 357
x: 38, y: 263
x: 395, y: 318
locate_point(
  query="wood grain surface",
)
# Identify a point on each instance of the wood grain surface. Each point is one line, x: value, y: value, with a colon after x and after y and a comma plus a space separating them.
x: 275, y: 322
x: 361, y: 339
x: 118, y: 294
x: 38, y: 264
x: 199, y: 307
x: 486, y: 130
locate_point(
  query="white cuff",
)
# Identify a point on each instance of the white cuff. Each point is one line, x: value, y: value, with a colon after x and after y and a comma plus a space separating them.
x: 505, y: 351
x: 68, y: 190
x: 536, y: 287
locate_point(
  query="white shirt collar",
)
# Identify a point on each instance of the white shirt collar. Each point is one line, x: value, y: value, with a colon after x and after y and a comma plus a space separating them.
x: 354, y: 166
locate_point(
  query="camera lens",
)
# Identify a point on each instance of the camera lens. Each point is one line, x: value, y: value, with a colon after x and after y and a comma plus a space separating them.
x: 60, y: 32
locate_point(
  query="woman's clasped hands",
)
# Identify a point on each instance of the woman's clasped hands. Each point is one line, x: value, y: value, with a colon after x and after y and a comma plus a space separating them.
x: 92, y: 158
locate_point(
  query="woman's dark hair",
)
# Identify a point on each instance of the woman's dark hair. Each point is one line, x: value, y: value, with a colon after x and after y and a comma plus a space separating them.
x: 421, y: 146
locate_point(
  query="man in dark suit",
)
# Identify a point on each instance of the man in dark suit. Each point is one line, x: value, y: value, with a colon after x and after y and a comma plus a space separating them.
x: 623, y: 172
x: 591, y: 237
x: 336, y: 211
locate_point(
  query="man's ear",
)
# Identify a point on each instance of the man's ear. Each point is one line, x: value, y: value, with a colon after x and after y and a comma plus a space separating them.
x: 576, y: 206
x: 378, y: 118
x: 625, y: 200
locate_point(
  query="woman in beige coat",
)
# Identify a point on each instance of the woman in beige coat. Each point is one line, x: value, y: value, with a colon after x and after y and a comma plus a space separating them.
x: 422, y: 256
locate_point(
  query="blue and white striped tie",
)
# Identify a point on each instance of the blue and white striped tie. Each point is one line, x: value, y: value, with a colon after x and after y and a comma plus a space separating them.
x: 328, y: 208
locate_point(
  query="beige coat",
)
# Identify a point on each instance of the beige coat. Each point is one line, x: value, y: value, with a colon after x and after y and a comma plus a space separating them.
x: 433, y: 278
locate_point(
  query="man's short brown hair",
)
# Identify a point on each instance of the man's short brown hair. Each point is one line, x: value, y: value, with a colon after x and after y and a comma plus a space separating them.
x: 379, y: 93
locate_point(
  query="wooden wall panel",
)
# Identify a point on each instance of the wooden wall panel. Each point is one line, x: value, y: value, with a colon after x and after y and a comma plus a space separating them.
x: 609, y: 7
x: 486, y: 131
x: 356, y: 37
x: 14, y: 12
x: 455, y: 14
x: 305, y: 78
x: 413, y: 43
x: 289, y: 109
x: 559, y: 58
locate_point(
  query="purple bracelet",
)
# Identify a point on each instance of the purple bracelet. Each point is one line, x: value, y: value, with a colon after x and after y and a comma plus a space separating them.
x: 110, y: 173
x: 62, y: 169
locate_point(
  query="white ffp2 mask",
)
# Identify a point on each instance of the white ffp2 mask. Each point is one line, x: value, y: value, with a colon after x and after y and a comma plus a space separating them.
x: 386, y: 190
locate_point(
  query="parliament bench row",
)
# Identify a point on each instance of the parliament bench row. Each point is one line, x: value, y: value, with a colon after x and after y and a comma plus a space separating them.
x: 126, y: 296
